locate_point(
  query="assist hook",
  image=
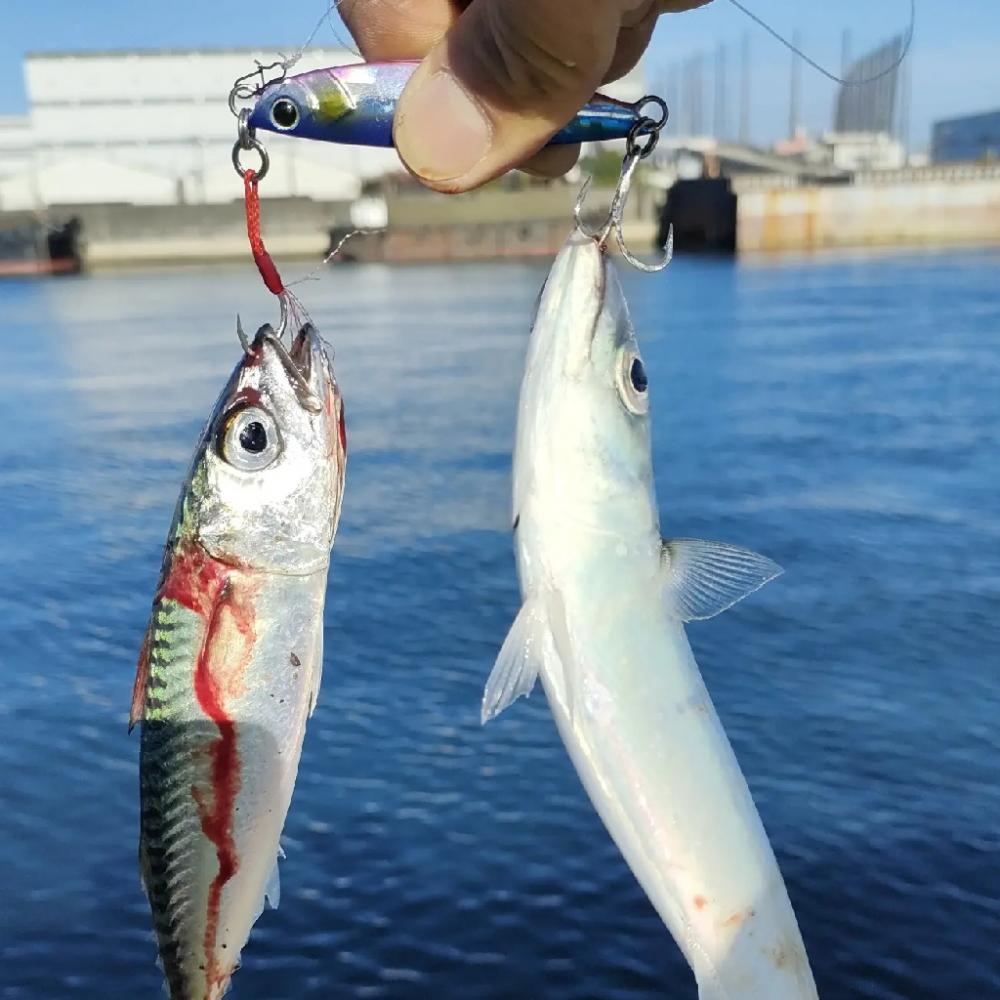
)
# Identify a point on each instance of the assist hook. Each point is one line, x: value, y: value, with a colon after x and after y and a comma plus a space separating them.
x: 306, y: 396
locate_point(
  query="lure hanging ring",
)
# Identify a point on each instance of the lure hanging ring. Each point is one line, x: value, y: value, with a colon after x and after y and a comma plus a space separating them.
x: 655, y: 124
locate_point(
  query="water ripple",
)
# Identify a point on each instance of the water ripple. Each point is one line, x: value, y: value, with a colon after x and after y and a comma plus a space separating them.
x: 840, y: 414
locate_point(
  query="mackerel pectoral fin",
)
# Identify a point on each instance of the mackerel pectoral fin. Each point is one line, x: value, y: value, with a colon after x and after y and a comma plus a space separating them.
x: 272, y: 891
x: 271, y: 894
x: 138, y: 708
x: 519, y: 660
x: 702, y: 579
x: 314, y: 692
x: 317, y: 676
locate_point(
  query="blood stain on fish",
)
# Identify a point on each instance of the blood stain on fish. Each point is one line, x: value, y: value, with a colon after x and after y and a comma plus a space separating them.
x: 234, y: 608
x: 211, y: 589
x: 193, y: 578
x: 248, y: 395
x: 735, y: 919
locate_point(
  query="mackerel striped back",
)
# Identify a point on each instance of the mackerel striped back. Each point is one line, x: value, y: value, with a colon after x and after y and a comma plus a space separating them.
x: 176, y: 739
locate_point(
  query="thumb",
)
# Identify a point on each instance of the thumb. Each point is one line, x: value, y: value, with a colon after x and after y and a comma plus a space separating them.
x: 506, y: 77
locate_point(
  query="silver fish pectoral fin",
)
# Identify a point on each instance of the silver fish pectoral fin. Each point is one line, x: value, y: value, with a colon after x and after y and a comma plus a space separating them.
x: 702, y: 579
x: 531, y: 645
x: 518, y: 662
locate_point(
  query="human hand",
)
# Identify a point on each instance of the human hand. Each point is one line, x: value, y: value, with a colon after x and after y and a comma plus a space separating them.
x: 499, y: 77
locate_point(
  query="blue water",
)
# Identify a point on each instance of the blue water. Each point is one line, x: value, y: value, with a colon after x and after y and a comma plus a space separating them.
x: 839, y: 414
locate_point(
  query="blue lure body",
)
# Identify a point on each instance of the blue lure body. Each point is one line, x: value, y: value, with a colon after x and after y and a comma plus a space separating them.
x: 356, y: 105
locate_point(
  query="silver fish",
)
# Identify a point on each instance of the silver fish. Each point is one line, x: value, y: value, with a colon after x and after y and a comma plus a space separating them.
x: 602, y: 624
x: 230, y: 667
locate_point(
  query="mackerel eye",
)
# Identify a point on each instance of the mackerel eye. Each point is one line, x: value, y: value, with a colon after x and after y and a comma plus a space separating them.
x: 633, y: 384
x: 249, y: 440
x: 284, y: 114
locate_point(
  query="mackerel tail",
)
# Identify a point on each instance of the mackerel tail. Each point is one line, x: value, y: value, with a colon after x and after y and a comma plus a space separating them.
x: 356, y: 105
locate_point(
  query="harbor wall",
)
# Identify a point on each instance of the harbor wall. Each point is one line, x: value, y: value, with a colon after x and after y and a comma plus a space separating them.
x: 927, y: 207
x: 494, y: 222
x: 422, y: 225
x: 114, y: 235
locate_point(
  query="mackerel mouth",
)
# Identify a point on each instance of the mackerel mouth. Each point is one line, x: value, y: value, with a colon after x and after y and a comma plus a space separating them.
x: 301, y: 352
x: 297, y: 362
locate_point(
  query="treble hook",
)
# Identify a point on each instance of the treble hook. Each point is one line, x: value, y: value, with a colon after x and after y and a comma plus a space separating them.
x: 635, y: 150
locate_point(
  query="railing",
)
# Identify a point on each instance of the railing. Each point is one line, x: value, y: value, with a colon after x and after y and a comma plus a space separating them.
x: 933, y: 172
x: 944, y: 172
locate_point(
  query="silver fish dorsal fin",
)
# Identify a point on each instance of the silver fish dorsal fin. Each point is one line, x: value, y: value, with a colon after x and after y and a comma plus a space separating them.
x: 702, y: 579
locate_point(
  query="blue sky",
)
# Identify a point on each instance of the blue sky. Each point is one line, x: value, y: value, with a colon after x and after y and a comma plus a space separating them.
x: 954, y: 62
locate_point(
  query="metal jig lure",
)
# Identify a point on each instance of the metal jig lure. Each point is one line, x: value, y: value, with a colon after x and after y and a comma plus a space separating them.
x: 357, y: 104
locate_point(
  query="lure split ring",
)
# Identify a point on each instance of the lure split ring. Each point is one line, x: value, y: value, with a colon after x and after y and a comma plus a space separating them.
x: 265, y: 160
x: 246, y: 142
x: 645, y: 133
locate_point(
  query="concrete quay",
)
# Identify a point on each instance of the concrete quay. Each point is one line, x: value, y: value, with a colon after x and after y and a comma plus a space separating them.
x: 928, y: 206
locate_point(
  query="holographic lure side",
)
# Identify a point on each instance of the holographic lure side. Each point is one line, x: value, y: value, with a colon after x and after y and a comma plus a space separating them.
x: 356, y: 104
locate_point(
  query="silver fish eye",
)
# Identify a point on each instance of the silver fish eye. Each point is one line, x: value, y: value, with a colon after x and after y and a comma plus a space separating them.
x: 249, y: 439
x: 284, y: 114
x: 633, y: 384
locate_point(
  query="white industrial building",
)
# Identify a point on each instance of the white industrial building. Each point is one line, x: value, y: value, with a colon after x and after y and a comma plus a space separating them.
x: 154, y: 128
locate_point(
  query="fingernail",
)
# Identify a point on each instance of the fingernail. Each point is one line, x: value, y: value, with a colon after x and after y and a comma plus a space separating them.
x: 441, y: 132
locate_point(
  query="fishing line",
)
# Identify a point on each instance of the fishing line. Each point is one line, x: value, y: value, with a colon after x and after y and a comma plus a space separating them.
x: 907, y: 42
x: 349, y: 45
x: 313, y: 275
x: 289, y: 62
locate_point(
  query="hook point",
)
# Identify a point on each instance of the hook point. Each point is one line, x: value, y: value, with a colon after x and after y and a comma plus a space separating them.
x: 244, y: 343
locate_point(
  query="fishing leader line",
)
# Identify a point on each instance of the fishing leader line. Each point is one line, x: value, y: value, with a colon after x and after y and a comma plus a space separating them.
x: 286, y: 63
x: 243, y: 90
x: 791, y: 46
x: 907, y: 42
